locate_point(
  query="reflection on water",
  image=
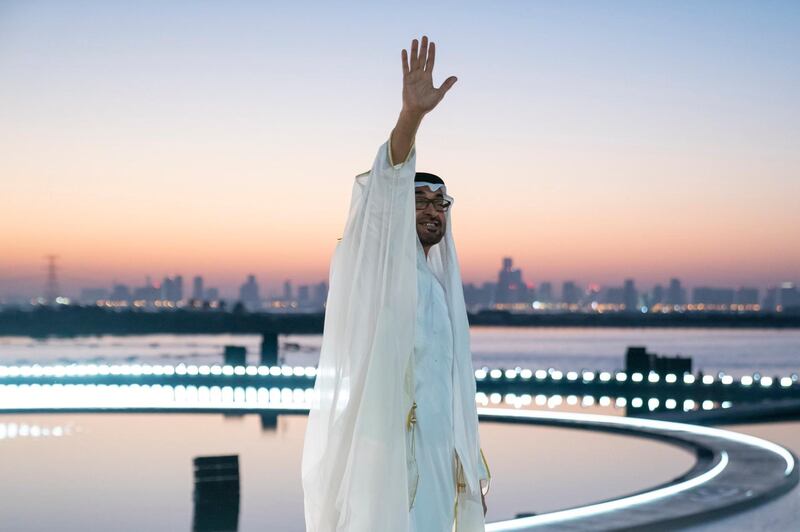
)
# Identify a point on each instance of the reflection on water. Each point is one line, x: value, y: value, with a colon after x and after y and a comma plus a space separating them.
x: 735, y: 351
x: 139, y: 469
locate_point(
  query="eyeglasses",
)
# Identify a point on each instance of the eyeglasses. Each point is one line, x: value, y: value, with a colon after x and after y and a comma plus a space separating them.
x: 439, y: 204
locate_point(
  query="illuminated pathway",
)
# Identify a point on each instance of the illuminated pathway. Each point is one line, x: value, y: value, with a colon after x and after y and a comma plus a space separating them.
x: 733, y: 471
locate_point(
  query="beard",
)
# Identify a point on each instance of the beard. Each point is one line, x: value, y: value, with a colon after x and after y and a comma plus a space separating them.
x: 430, y: 238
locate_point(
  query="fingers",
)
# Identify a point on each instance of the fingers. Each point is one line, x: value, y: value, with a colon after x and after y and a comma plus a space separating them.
x: 431, y: 58
x: 423, y: 53
x: 448, y: 83
x: 414, y: 59
x: 404, y: 55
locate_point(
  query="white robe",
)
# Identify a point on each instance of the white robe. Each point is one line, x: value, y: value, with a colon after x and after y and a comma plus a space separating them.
x: 357, y: 471
x: 433, y: 392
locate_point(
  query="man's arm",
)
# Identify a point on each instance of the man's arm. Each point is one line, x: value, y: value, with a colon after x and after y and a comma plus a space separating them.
x: 419, y: 96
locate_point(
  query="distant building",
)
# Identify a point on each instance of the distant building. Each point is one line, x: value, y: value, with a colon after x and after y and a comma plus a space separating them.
x: 676, y: 295
x: 319, y: 295
x: 303, y: 296
x: 657, y: 295
x: 570, y: 293
x: 544, y: 292
x: 249, y: 294
x: 120, y: 293
x: 212, y: 294
x: 630, y: 296
x: 746, y: 296
x: 198, y: 293
x: 287, y: 290
x: 789, y: 296
x: 510, y: 286
x: 707, y: 295
x: 172, y: 288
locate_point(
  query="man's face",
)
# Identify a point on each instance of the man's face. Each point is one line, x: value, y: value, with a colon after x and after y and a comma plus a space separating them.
x: 431, y: 224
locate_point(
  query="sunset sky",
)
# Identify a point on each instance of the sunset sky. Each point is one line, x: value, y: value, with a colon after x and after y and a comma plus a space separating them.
x: 591, y: 141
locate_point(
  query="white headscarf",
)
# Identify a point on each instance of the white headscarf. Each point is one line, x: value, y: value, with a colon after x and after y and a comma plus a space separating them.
x: 354, y: 470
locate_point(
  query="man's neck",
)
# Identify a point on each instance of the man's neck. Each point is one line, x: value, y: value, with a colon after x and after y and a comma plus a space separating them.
x: 426, y: 249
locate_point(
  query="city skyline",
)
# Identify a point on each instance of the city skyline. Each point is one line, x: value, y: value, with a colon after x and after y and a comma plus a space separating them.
x: 592, y: 142
x: 508, y: 287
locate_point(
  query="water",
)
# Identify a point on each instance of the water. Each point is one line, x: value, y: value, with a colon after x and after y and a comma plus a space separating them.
x: 735, y: 351
x: 134, y: 471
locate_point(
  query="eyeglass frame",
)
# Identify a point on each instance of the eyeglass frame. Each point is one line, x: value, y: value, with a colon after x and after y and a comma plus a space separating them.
x: 429, y: 201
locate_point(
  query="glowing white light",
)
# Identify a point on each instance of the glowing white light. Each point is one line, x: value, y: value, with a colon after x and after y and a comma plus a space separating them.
x: 688, y: 378
x: 637, y: 377
x: 670, y: 403
x: 480, y: 374
x: 275, y: 371
x: 572, y: 399
x: 527, y: 374
x: 572, y: 375
x: 251, y: 370
x: 726, y: 379
x: 495, y: 373
x: 747, y: 380
x: 622, y: 376
x: 766, y: 381
x: 605, y: 376
x: 495, y: 398
x: 786, y: 382
x: 671, y: 378
x: 216, y: 369
x: 588, y: 376
x: 556, y: 375
x: 652, y: 403
x: 637, y: 402
x: 587, y: 401
x: 541, y: 374
x: 708, y: 405
x: 653, y: 377
x: 605, y: 400
x: 708, y: 379
x: 621, y: 402
x: 541, y: 400
x: 511, y: 374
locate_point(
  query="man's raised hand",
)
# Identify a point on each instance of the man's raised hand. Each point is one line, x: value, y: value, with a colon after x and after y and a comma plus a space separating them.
x: 419, y: 94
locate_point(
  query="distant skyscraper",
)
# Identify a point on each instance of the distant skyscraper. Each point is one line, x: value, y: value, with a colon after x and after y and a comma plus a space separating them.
x: 303, y: 295
x: 657, y: 296
x: 172, y: 288
x: 212, y: 294
x: 630, y: 296
x: 510, y: 287
x: 287, y: 290
x: 544, y: 292
x: 320, y: 294
x: 570, y: 293
x: 747, y: 296
x: 675, y: 293
x: 120, y: 292
x: 249, y: 294
x: 789, y: 296
x: 197, y: 288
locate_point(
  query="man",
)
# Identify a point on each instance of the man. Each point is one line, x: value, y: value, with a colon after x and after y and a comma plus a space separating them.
x: 392, y: 441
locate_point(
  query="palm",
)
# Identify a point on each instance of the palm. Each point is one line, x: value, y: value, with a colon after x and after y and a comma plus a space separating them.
x: 419, y: 94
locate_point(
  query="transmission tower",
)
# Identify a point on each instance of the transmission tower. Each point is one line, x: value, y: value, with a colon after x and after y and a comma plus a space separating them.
x: 51, y: 288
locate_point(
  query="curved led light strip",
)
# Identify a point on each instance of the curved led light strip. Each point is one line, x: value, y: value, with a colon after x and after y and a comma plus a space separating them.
x: 616, y: 504
x: 645, y: 423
